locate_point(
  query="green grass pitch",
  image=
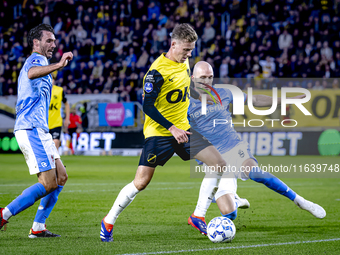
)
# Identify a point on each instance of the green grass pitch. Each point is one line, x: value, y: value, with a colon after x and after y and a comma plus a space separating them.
x: 156, y: 221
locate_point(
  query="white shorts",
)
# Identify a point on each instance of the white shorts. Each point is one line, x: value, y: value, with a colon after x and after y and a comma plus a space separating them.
x: 38, y: 148
x: 234, y: 159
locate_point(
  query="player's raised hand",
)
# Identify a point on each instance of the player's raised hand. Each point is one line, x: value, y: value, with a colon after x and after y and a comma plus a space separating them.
x: 67, y: 56
x: 179, y: 134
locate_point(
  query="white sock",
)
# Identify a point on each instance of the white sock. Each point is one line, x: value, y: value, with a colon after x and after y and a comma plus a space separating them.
x: 125, y: 197
x: 299, y: 200
x: 208, y: 189
x: 38, y: 226
x: 6, y: 213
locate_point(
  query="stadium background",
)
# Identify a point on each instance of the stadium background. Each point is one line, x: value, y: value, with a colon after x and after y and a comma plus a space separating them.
x: 125, y: 37
x: 257, y: 44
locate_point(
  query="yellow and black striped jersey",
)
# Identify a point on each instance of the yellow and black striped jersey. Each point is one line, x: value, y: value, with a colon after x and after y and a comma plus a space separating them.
x: 54, y: 113
x: 167, y: 87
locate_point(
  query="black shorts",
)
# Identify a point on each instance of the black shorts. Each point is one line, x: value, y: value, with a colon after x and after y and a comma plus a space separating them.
x: 56, y: 133
x: 157, y: 150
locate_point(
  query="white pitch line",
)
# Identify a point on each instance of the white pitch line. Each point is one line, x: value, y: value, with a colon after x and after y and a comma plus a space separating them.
x: 110, y: 190
x: 103, y: 184
x: 241, y: 185
x: 235, y: 247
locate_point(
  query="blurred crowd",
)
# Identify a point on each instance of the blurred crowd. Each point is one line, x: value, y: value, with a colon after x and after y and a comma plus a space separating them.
x: 115, y: 41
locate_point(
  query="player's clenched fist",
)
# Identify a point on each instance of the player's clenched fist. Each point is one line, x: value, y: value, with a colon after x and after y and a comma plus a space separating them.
x: 67, y: 56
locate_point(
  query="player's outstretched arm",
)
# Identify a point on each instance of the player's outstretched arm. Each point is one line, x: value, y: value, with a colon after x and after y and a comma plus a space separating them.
x: 40, y: 71
x: 263, y: 100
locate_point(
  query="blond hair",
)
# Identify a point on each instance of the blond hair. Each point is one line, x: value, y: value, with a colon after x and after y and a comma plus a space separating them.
x: 184, y: 32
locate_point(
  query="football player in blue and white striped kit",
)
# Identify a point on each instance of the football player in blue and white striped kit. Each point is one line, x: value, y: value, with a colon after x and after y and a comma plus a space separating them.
x: 31, y: 131
x: 235, y: 152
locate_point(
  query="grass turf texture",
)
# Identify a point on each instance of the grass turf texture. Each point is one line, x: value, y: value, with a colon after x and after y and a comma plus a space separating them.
x: 156, y: 221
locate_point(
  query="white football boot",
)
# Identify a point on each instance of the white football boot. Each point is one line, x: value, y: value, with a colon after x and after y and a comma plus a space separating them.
x: 311, y: 207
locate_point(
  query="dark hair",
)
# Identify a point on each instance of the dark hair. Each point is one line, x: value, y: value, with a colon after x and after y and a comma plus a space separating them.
x: 184, y: 32
x: 36, y: 33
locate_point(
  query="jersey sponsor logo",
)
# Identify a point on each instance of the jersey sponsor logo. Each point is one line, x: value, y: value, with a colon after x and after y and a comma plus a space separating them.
x: 152, y: 158
x: 175, y: 96
x: 172, y: 79
x: 35, y: 61
x: 241, y: 153
x: 148, y: 87
x: 43, y: 164
x: 54, y: 107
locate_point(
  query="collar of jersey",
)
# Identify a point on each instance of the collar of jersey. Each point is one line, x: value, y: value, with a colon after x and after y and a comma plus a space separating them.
x: 171, y: 61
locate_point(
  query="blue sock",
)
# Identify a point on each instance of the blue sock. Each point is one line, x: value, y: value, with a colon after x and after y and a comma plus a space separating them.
x: 272, y: 182
x: 27, y: 198
x: 46, y: 205
x: 231, y: 215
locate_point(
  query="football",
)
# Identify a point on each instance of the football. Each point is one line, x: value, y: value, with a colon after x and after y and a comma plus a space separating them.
x: 221, y: 230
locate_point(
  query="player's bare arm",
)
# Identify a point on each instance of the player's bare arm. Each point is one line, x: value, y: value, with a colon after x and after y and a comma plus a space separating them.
x: 40, y: 71
x: 263, y: 100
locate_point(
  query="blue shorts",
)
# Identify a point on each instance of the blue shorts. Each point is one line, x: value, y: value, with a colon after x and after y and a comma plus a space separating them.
x: 38, y: 148
x: 157, y: 150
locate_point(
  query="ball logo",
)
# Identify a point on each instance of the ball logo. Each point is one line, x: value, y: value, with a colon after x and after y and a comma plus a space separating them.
x: 148, y: 87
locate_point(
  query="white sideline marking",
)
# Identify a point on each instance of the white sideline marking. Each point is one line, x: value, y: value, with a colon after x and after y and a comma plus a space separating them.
x: 234, y: 247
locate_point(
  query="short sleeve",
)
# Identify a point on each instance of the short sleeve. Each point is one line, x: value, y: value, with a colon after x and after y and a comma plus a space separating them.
x: 35, y: 61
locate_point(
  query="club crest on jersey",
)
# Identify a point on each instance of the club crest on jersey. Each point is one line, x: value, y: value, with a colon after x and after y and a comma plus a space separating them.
x: 148, y: 87
x: 35, y: 61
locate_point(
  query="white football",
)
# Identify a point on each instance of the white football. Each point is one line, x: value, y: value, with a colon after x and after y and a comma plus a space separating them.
x: 221, y: 230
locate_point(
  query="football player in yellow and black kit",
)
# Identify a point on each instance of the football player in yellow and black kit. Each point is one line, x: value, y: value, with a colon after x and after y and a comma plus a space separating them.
x: 166, y: 128
x: 55, y: 121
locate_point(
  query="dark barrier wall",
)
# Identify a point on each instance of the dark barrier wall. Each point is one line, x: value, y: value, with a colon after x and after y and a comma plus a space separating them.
x: 278, y: 143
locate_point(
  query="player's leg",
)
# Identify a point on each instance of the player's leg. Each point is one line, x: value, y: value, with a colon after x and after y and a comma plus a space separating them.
x: 227, y: 205
x: 30, y: 195
x: 125, y: 197
x: 156, y: 151
x: 40, y: 163
x: 128, y: 193
x: 56, y: 143
x: 227, y: 199
x: 56, y: 135
x: 47, y: 204
x: 274, y: 183
x: 213, y: 159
